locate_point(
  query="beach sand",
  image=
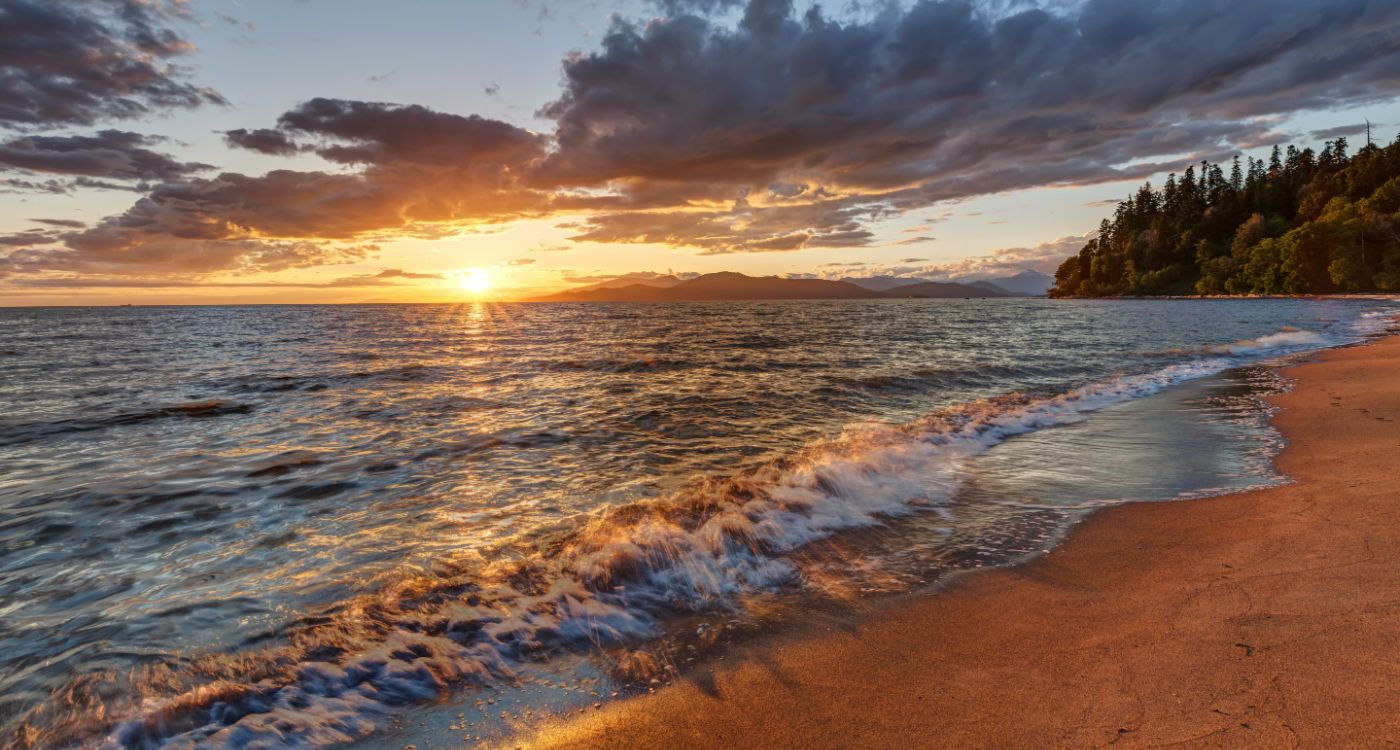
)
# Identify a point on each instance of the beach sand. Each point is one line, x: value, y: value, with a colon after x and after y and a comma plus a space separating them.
x: 1263, y: 619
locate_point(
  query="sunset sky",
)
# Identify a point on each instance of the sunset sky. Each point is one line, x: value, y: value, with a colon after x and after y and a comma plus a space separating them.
x: 344, y: 150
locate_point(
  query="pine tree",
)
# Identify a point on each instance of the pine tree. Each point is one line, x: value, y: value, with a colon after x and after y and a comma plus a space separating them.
x: 1308, y: 223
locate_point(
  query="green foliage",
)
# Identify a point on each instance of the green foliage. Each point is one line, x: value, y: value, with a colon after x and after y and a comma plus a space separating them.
x: 1297, y: 223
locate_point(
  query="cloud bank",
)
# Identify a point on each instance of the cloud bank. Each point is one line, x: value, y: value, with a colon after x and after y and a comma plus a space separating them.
x: 75, y: 62
x: 725, y: 126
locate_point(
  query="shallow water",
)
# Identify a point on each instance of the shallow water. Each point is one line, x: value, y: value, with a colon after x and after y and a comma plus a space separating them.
x: 288, y: 524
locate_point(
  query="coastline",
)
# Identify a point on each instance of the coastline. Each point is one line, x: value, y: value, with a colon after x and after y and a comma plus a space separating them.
x: 1263, y: 618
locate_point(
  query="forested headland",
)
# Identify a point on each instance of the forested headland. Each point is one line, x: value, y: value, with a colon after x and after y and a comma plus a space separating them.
x: 1300, y: 222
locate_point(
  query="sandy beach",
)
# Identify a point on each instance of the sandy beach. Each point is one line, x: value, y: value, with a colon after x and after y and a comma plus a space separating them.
x: 1263, y: 619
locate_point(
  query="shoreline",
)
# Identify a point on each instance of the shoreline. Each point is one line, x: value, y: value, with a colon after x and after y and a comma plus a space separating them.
x: 1259, y: 618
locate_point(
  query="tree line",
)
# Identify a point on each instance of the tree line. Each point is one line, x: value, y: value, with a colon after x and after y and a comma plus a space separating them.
x: 1301, y: 222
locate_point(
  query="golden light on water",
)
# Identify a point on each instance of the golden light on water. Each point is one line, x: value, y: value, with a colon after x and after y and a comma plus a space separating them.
x: 475, y: 280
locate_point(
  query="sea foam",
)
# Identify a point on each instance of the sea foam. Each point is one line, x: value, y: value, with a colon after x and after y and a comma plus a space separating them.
x: 617, y: 577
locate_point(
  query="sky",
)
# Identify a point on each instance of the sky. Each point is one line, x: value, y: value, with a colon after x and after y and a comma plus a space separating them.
x: 246, y: 151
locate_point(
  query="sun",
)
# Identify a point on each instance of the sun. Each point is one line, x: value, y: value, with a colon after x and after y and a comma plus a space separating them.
x: 475, y: 280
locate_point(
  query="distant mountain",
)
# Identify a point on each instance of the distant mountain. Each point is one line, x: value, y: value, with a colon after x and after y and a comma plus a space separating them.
x: 642, y: 279
x: 882, y: 283
x: 725, y: 285
x: 728, y: 285
x: 946, y: 290
x: 989, y: 286
x: 1033, y: 283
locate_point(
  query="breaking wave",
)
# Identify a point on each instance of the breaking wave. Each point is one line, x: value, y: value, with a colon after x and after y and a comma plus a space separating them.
x: 617, y: 575
x: 617, y: 578
x: 1287, y: 339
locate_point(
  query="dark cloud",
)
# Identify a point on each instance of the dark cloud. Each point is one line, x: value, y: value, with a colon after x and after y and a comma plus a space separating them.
x: 376, y: 133
x: 423, y: 170
x: 750, y: 127
x: 674, y: 8
x: 262, y: 140
x: 64, y: 223
x: 946, y: 100
x: 740, y: 229
x: 76, y: 62
x: 109, y: 154
x: 164, y: 254
x: 1344, y: 131
x: 18, y: 185
x: 25, y: 239
x: 65, y: 186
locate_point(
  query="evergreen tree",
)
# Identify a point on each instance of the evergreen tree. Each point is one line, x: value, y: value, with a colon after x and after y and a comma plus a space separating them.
x: 1300, y: 223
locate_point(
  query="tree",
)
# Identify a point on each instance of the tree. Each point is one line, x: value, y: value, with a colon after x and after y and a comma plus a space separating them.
x: 1306, y: 223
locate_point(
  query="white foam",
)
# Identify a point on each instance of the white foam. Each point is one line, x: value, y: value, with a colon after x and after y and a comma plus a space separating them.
x: 1284, y: 340
x: 613, y: 579
x: 1376, y: 322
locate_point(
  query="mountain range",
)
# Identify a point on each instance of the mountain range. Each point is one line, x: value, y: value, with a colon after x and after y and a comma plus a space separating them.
x: 1026, y: 283
x: 728, y: 285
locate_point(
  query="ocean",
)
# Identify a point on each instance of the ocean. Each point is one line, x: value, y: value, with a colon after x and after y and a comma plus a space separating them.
x: 306, y: 526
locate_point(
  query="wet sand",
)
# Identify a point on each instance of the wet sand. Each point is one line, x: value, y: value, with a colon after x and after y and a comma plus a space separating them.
x: 1263, y: 619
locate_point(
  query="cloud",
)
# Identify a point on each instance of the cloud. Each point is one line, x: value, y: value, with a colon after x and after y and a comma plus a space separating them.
x: 73, y: 63
x: 26, y: 239
x: 109, y: 154
x: 1044, y: 257
x: 702, y: 7
x: 520, y: 262
x: 262, y: 140
x: 108, y: 250
x: 17, y: 185
x: 740, y: 229
x: 733, y: 127
x: 943, y: 100
x: 359, y: 132
x: 423, y: 173
x: 1344, y: 131
x: 383, y: 278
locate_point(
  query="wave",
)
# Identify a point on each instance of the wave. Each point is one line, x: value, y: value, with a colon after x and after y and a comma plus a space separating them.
x: 616, y: 365
x: 924, y: 378
x: 18, y: 434
x: 1376, y: 322
x: 1286, y: 339
x: 618, y: 577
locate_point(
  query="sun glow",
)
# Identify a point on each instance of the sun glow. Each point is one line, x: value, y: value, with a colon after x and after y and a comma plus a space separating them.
x: 475, y: 280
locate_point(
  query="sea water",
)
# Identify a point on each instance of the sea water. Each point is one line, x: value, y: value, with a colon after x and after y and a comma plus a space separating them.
x: 296, y: 525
